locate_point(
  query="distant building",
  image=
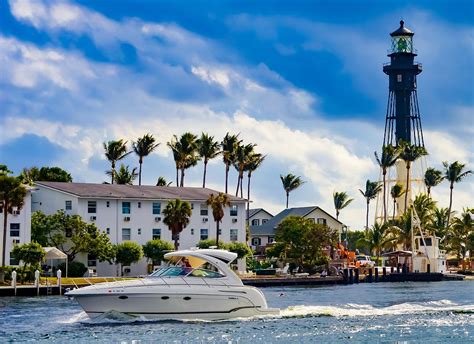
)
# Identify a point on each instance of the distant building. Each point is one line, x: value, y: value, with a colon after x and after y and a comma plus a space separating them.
x: 131, y: 212
x: 264, y: 234
x: 258, y: 216
x: 18, y: 228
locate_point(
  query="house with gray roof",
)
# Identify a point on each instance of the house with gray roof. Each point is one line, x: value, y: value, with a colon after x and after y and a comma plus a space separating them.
x: 258, y: 216
x: 264, y: 234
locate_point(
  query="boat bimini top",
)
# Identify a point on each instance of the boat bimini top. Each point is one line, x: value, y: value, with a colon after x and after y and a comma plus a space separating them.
x: 204, y: 263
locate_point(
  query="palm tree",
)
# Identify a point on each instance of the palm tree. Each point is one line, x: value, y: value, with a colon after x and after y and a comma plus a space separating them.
x: 371, y: 191
x: 396, y: 192
x: 253, y: 163
x: 454, y: 174
x: 438, y: 222
x: 461, y: 228
x: 410, y: 153
x: 341, y: 200
x: 208, y: 149
x: 425, y: 208
x: 162, y: 182
x: 173, y: 145
x: 242, y: 155
x: 143, y: 147
x: 12, y: 196
x: 124, y: 175
x: 229, y: 145
x: 432, y: 178
x: 290, y: 182
x: 218, y: 203
x: 176, y: 217
x: 377, y: 238
x: 401, y: 229
x: 389, y: 157
x: 115, y: 151
x: 185, y: 152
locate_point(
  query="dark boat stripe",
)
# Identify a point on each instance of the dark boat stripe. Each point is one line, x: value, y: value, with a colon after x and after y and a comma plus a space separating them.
x: 203, y: 312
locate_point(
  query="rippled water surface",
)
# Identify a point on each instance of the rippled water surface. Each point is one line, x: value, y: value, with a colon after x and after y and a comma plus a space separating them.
x: 441, y: 312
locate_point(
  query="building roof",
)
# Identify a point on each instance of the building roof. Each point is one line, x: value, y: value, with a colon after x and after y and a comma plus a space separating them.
x: 268, y: 228
x: 116, y: 191
x: 402, y: 30
x: 252, y: 212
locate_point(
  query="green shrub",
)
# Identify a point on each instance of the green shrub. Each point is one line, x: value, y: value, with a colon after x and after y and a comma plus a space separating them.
x: 75, y: 269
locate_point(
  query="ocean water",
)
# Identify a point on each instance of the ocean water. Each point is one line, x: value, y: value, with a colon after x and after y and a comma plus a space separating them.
x: 439, y: 312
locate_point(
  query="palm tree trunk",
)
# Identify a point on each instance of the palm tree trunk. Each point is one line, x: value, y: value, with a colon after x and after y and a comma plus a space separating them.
x: 407, y: 187
x: 451, y: 187
x: 226, y: 176
x: 337, y: 214
x: 204, y: 174
x: 177, y: 176
x: 394, y: 207
x: 140, y: 172
x: 238, y: 184
x: 428, y: 188
x: 367, y: 216
x: 217, y: 234
x: 113, y: 171
x: 4, y: 244
x: 248, y: 200
x: 182, y: 177
x: 287, y: 196
x: 241, y: 186
x: 176, y: 243
x: 384, y: 196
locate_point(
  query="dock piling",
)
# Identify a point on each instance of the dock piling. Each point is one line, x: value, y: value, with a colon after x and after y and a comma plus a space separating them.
x: 356, y: 275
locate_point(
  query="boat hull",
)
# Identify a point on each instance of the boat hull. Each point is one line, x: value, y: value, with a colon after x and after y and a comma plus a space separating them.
x: 175, y: 305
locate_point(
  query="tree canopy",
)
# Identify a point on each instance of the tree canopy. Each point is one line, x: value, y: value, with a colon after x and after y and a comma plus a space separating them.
x: 127, y: 253
x: 71, y: 234
x: 302, y: 241
x: 154, y: 250
x: 44, y: 174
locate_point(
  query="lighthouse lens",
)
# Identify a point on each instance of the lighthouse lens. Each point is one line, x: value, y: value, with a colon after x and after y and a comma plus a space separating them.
x: 402, y: 44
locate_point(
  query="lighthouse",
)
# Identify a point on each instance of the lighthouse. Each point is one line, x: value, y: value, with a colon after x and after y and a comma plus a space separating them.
x: 402, y: 120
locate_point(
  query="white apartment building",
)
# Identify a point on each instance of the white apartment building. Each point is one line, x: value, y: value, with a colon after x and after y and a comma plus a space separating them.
x: 132, y: 212
x: 18, y: 228
x: 263, y: 234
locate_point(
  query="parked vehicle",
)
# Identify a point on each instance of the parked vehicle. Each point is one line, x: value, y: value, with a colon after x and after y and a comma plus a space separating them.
x: 365, y: 261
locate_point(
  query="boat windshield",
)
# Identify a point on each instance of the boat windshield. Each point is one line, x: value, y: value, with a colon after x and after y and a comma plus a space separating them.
x: 175, y: 271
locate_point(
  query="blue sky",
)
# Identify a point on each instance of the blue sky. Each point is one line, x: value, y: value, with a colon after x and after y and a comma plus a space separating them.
x: 302, y: 79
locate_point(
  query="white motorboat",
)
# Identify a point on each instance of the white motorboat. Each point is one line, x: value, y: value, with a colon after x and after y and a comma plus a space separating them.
x: 195, y: 284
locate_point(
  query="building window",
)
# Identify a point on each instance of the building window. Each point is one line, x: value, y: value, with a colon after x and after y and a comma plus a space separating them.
x: 126, y: 233
x: 156, y: 235
x: 233, y: 210
x: 271, y: 240
x: 68, y: 205
x: 192, y: 206
x: 204, y: 234
x: 156, y: 208
x: 428, y: 242
x: 139, y: 204
x: 125, y: 207
x: 92, y: 207
x: 322, y: 221
x: 14, y: 261
x: 192, y: 231
x: 91, y: 260
x: 399, y: 78
x: 264, y: 220
x: 233, y: 235
x: 107, y: 231
x: 14, y: 229
x: 256, y: 241
x: 256, y: 222
x: 139, y: 231
x: 204, y: 209
x: 108, y: 204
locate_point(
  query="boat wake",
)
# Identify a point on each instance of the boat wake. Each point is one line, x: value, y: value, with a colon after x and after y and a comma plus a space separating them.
x: 355, y: 310
x: 300, y: 311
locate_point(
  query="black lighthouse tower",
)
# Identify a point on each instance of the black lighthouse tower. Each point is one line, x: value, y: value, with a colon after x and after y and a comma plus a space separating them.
x: 403, y: 116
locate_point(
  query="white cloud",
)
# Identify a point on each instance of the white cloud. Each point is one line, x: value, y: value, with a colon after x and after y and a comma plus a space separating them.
x: 185, y: 84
